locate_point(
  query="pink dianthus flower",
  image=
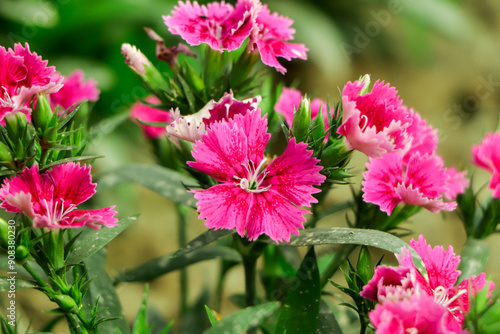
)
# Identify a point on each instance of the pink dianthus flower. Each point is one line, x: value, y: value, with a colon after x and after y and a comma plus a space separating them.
x: 406, y: 282
x: 218, y: 24
x: 422, y: 181
x: 74, y: 90
x: 51, y: 199
x: 147, y: 113
x: 374, y: 122
x: 487, y: 156
x: 253, y: 197
x: 270, y: 35
x: 191, y: 127
x: 23, y: 74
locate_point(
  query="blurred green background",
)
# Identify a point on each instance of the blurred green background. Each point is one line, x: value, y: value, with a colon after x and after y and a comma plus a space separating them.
x: 441, y: 55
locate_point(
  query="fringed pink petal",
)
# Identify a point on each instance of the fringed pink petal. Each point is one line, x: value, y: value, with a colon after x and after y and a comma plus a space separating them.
x: 72, y: 183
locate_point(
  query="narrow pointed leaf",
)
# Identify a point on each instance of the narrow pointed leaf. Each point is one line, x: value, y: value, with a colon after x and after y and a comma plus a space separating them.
x: 202, y: 240
x: 164, y: 181
x: 20, y: 283
x: 93, y: 241
x: 167, y: 263
x: 301, y: 309
x: 327, y: 324
x: 244, y: 319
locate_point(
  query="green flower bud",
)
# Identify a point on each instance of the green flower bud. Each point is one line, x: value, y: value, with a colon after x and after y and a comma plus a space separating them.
x: 5, y: 153
x: 4, y: 233
x: 42, y: 114
x: 302, y: 120
x: 22, y: 252
x: 364, y: 268
x: 365, y: 79
x: 66, y: 303
x: 16, y: 124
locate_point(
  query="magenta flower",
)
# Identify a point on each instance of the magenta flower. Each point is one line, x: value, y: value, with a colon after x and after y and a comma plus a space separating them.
x: 148, y: 113
x: 418, y: 314
x: 423, y: 181
x: 270, y: 36
x: 191, y: 127
x: 487, y: 156
x: 289, y: 102
x: 374, y: 122
x: 220, y: 25
x: 254, y: 197
x: 23, y: 74
x: 51, y: 199
x: 75, y: 90
x: 401, y: 285
x: 423, y: 137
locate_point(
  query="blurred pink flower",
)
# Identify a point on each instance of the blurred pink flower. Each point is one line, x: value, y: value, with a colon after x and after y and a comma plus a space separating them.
x: 270, y: 36
x: 23, y: 74
x: 220, y: 25
x: 423, y: 181
x: 374, y: 122
x: 252, y: 197
x: 289, y: 102
x: 418, y: 314
x: 487, y: 156
x: 191, y: 127
x: 423, y: 137
x: 75, y: 90
x: 147, y: 113
x: 51, y: 199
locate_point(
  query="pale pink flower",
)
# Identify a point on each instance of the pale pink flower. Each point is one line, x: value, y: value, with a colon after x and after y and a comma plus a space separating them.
x: 51, y: 199
x: 135, y: 59
x: 441, y: 282
x: 75, y: 90
x: 422, y: 181
x: 270, y: 36
x: 23, y: 74
x: 253, y: 197
x: 191, y: 127
x: 147, y: 113
x: 374, y: 122
x: 487, y: 156
x: 218, y: 24
x: 419, y: 314
x: 289, y: 102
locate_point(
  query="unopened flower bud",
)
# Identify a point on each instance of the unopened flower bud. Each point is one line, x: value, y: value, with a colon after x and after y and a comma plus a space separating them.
x: 43, y: 114
x: 365, y: 79
x: 302, y: 120
x: 65, y: 302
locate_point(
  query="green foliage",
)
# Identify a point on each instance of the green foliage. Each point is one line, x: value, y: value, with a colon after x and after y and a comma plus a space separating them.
x: 300, y: 311
x: 484, y: 313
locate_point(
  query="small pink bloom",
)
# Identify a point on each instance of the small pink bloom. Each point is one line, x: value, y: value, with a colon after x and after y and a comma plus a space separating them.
x: 423, y: 181
x: 134, y: 58
x: 220, y: 25
x: 23, y: 74
x: 390, y: 283
x: 51, y: 199
x: 424, y: 138
x: 270, y: 36
x: 374, y: 123
x: 191, y: 127
x: 147, y: 113
x: 75, y: 90
x: 487, y: 156
x: 419, y: 314
x: 252, y: 197
x: 289, y: 102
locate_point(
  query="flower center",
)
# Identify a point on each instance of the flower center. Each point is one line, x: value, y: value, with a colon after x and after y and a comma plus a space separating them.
x: 55, y: 213
x: 441, y: 297
x: 254, y: 177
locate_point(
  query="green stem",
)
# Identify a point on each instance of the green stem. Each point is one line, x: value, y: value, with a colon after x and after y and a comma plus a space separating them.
x: 182, y: 212
x: 37, y: 278
x: 250, y: 265
x: 333, y: 266
x: 75, y: 324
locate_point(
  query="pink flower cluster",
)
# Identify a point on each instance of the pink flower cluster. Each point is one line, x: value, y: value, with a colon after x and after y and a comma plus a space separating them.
x: 50, y: 199
x: 487, y: 156
x: 412, y: 302
x: 23, y: 75
x: 403, y: 163
x: 224, y: 27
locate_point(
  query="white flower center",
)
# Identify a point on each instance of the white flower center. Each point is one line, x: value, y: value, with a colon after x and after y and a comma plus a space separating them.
x: 56, y: 214
x: 254, y: 177
x: 441, y: 297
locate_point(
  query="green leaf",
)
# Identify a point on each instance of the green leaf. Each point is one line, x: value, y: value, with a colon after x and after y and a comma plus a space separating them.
x: 107, y: 126
x: 102, y: 289
x: 243, y: 319
x: 301, y: 309
x: 72, y: 159
x: 141, y: 321
x: 164, y: 181
x: 93, y: 241
x: 211, y: 315
x: 473, y: 258
x: 327, y: 324
x: 202, y: 240
x: 167, y: 263
x: 21, y: 283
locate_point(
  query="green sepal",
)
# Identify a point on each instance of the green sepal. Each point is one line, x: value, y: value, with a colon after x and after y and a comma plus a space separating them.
x: 302, y: 120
